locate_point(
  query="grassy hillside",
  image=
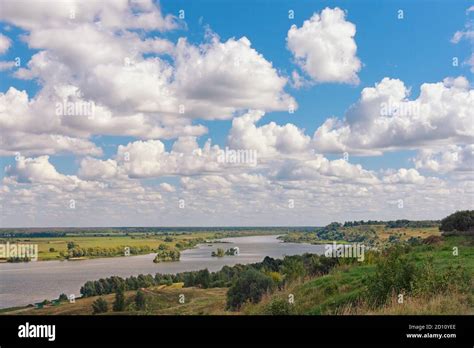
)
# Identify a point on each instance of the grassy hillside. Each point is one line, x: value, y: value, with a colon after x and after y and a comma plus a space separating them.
x: 161, y: 300
x: 342, y: 291
x: 438, y: 274
x: 375, y: 235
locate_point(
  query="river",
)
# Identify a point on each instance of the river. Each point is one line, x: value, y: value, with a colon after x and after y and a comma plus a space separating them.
x: 24, y: 283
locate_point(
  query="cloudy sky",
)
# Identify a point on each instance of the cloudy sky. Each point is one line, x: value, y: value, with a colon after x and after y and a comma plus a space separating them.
x: 180, y: 113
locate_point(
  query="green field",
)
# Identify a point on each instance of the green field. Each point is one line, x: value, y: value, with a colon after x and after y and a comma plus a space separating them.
x: 115, y: 240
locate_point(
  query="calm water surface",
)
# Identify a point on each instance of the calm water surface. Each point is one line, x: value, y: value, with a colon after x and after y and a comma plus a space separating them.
x: 24, y: 283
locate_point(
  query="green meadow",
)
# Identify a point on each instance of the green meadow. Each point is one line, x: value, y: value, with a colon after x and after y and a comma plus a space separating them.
x: 408, y: 267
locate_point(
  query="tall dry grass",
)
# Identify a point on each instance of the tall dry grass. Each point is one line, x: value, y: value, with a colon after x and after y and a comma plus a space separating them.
x: 452, y: 303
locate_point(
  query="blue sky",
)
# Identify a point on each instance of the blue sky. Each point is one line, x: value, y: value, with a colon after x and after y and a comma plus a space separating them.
x: 417, y: 49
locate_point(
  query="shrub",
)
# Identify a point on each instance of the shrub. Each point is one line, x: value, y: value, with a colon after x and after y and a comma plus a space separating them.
x: 71, y: 245
x: 413, y: 241
x: 167, y: 255
x: 278, y: 306
x: 250, y: 286
x: 393, y: 274
x: 100, y: 306
x: 276, y: 277
x: 394, y: 239
x: 431, y: 281
x: 220, y: 253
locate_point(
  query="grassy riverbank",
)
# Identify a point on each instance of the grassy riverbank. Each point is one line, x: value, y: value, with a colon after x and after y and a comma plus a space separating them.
x: 439, y: 282
x: 104, y: 243
x: 345, y: 290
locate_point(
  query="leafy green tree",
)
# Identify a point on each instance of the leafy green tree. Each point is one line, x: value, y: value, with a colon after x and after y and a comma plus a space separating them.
x: 140, y: 300
x: 71, y: 245
x: 189, y: 279
x: 250, y: 286
x: 119, y: 303
x: 334, y: 226
x: 100, y: 306
x: 459, y: 221
x: 88, y: 289
x: 106, y: 285
x: 144, y: 281
x: 131, y: 283
x: 203, y: 278
x: 293, y: 268
x: 115, y: 283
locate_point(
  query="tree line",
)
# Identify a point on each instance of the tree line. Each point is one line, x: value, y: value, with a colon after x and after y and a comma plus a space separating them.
x: 401, y: 223
x: 76, y: 251
x: 246, y: 282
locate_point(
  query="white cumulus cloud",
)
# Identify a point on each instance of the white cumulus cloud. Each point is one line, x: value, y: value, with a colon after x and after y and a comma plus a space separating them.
x: 385, y: 119
x: 5, y: 43
x: 324, y: 47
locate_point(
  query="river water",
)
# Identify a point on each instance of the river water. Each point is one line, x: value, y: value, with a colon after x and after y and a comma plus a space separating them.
x: 24, y: 283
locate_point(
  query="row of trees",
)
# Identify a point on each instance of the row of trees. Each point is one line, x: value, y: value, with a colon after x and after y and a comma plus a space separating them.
x: 336, y: 231
x: 101, y: 306
x: 362, y: 222
x: 245, y: 282
x: 164, y: 252
x: 20, y: 234
x: 402, y: 223
x: 77, y: 251
x: 74, y: 250
x: 16, y: 259
x: 114, y: 284
x: 412, y: 224
x: 330, y: 232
